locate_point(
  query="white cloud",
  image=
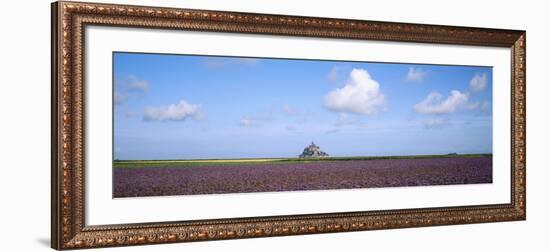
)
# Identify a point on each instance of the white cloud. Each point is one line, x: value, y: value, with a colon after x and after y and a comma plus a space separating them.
x: 479, y: 105
x: 289, y: 109
x: 119, y: 98
x: 129, y: 114
x: 174, y: 112
x: 434, y: 103
x: 360, y: 95
x: 478, y: 82
x: 472, y: 106
x: 435, y: 123
x: 416, y: 75
x: 333, y: 74
x: 129, y: 87
x: 139, y: 85
x: 248, y: 122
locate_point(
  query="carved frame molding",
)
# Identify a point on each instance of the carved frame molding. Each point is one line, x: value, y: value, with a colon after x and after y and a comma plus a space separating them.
x: 68, y: 225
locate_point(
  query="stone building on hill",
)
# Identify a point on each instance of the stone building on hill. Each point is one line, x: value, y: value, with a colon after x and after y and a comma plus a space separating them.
x: 313, y: 151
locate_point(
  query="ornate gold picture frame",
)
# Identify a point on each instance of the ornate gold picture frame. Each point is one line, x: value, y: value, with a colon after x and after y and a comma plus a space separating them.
x: 69, y: 230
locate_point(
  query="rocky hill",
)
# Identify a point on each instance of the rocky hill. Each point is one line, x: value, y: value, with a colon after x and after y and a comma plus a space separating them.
x: 313, y: 151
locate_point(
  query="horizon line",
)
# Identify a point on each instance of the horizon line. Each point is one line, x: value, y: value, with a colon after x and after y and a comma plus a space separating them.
x: 320, y: 158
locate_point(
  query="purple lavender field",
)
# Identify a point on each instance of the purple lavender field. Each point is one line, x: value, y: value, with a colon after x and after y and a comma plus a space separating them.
x: 138, y: 179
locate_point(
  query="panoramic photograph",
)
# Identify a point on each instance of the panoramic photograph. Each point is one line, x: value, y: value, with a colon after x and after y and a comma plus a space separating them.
x: 195, y: 124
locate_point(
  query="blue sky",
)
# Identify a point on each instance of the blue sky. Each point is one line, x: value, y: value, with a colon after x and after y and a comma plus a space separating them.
x: 195, y: 107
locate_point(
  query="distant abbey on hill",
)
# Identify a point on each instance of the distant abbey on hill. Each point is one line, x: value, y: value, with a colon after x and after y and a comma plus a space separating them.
x: 313, y: 151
